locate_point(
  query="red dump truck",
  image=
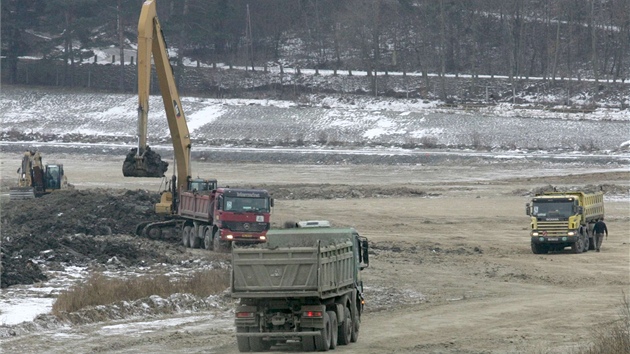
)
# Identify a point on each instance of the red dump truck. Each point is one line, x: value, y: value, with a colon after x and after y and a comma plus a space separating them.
x: 204, y: 215
x: 212, y: 217
x: 302, y: 285
x: 217, y: 217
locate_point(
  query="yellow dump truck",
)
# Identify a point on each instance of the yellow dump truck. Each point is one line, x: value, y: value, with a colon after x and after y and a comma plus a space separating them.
x: 564, y: 219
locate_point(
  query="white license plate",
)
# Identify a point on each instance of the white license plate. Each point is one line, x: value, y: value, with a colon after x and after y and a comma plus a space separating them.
x: 552, y: 239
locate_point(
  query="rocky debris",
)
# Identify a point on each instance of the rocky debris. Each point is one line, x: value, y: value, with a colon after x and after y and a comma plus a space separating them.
x: 608, y: 189
x: 94, y: 226
x: 326, y: 191
x: 153, y: 166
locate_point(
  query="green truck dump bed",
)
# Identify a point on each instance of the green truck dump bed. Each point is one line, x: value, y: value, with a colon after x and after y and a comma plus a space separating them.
x: 312, y: 262
x: 303, y: 284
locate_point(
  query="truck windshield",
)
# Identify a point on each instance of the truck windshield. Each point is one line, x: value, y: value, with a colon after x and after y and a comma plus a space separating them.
x: 553, y: 209
x: 239, y: 204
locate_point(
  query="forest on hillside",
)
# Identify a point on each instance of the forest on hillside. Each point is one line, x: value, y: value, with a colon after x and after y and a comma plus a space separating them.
x: 522, y: 38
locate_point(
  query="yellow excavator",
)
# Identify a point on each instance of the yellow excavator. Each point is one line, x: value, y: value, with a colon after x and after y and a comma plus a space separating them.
x: 141, y: 161
x: 36, y: 179
x: 201, y: 212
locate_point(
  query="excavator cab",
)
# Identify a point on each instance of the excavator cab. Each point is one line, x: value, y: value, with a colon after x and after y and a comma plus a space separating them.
x: 35, y: 179
x: 203, y: 186
x: 54, y: 177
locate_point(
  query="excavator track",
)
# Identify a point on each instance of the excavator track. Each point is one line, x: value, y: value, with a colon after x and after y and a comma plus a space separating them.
x: 153, y: 229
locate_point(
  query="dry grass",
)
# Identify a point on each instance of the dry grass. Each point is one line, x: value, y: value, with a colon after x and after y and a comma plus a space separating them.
x: 101, y: 290
x: 614, y: 337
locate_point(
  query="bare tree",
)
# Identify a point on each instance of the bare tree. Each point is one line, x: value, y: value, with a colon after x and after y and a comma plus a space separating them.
x: 442, y: 51
x: 121, y: 44
x: 593, y: 26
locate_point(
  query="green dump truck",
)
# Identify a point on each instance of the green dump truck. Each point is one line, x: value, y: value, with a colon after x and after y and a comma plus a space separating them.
x: 564, y: 219
x: 302, y: 285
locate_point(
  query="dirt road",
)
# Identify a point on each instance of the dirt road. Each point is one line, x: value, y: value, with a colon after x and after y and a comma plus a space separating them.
x: 451, y: 269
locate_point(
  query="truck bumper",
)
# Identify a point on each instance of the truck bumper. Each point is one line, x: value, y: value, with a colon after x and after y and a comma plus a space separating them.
x: 553, y: 239
x: 280, y: 335
x: 242, y: 237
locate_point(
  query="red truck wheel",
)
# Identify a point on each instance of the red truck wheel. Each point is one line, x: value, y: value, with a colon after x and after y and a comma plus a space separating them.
x: 194, y: 239
x: 207, y: 239
x: 217, y: 245
x: 186, y: 236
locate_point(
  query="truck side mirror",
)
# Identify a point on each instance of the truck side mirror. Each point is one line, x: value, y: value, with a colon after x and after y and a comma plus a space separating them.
x: 364, y: 254
x: 580, y: 209
x: 271, y: 202
x: 528, y: 209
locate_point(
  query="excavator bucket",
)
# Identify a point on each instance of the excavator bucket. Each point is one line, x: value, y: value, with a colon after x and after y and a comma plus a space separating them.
x: 21, y: 193
x: 147, y: 164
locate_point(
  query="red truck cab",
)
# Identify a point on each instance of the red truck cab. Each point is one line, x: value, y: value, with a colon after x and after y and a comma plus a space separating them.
x: 219, y: 216
x: 242, y: 214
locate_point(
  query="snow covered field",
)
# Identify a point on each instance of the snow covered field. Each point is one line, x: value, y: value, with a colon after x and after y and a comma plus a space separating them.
x: 329, y: 121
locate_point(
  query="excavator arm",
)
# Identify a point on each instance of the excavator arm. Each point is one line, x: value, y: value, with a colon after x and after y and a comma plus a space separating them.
x: 142, y: 161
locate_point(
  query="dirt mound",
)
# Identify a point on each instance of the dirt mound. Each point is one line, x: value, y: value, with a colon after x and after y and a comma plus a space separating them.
x: 67, y: 226
x: 327, y: 191
x: 608, y: 189
x: 63, y: 227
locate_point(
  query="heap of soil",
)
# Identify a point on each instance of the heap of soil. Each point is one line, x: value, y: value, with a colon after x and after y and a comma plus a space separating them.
x: 79, y: 227
x: 64, y: 226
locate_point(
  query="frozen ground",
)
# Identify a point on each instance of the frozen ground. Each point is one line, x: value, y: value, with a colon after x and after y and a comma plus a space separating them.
x: 36, y: 115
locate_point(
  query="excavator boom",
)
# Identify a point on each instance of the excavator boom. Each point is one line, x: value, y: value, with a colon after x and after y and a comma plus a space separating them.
x: 142, y: 161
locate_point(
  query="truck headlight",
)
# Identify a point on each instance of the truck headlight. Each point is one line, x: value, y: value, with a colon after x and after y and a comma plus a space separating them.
x: 534, y: 233
x: 571, y: 233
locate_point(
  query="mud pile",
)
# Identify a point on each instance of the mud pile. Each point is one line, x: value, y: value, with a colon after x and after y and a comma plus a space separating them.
x: 63, y: 227
x: 80, y: 227
x: 341, y: 191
